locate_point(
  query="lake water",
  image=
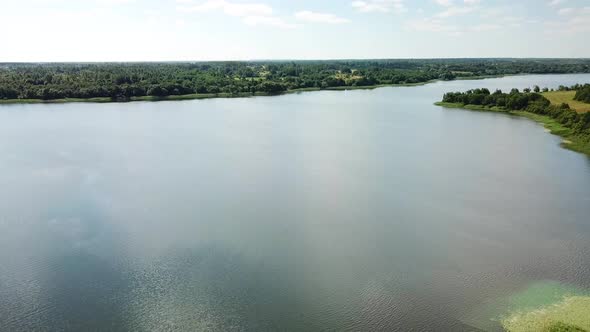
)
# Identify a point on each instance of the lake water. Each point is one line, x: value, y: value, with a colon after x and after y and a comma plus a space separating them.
x: 357, y: 210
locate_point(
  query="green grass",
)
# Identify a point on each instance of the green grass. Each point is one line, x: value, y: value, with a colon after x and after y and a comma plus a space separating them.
x: 570, y: 314
x: 143, y: 98
x: 559, y: 97
x: 483, y: 77
x: 563, y: 327
x: 57, y: 101
x: 545, y: 306
x: 472, y: 107
x: 303, y: 90
x: 570, y: 142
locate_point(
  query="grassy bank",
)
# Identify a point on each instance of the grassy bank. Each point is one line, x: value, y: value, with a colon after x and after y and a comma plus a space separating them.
x: 143, y: 98
x: 570, y: 140
x: 471, y: 107
x: 570, y: 314
x: 559, y: 97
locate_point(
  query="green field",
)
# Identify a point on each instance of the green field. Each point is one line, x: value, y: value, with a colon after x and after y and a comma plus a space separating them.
x: 558, y: 97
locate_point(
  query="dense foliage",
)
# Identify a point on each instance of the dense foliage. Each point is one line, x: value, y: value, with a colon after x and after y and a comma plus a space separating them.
x: 126, y: 80
x: 583, y: 94
x: 515, y: 100
x: 525, y: 101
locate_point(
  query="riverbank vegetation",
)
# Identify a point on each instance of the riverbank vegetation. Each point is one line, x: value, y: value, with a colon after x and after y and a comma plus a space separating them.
x: 574, y: 127
x: 568, y: 315
x: 21, y: 82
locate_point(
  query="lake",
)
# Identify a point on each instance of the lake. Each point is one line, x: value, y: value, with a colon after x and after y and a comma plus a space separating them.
x: 354, y: 210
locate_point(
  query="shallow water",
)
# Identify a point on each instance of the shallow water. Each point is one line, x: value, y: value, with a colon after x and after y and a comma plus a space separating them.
x: 356, y: 210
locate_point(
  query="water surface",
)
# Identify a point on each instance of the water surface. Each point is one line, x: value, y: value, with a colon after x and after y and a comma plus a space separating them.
x: 356, y: 210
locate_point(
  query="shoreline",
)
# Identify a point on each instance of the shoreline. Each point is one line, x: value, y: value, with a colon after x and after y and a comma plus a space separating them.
x: 569, y: 140
x: 197, y: 96
x: 568, y: 314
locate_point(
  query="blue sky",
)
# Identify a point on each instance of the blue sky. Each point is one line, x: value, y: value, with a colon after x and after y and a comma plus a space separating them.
x: 154, y: 30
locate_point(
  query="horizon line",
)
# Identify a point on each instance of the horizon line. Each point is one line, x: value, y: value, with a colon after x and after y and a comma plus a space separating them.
x: 292, y: 60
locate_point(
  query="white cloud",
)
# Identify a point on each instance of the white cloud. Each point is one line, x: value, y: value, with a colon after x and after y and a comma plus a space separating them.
x: 576, y: 22
x: 252, y: 14
x: 505, y: 16
x: 486, y: 27
x: 268, y: 21
x: 448, y: 3
x: 433, y: 25
x: 439, y: 22
x: 383, y: 6
x: 230, y: 8
x: 565, y: 11
x: 442, y: 26
x: 455, y: 11
x: 444, y: 2
x: 556, y: 2
x: 310, y: 16
x: 114, y: 2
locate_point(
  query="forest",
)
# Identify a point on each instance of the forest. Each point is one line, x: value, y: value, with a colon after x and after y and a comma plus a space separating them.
x: 124, y: 81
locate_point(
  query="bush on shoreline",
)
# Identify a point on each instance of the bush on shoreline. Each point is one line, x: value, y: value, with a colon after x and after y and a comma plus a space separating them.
x: 583, y: 94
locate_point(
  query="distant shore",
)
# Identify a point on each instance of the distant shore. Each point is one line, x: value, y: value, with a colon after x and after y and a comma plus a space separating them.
x: 230, y: 95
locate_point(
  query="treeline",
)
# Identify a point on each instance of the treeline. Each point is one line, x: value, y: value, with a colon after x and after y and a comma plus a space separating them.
x: 525, y: 101
x: 126, y: 80
x: 583, y: 94
x: 514, y: 101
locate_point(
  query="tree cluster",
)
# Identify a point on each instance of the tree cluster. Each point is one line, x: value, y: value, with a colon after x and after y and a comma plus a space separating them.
x: 583, y: 94
x: 515, y: 100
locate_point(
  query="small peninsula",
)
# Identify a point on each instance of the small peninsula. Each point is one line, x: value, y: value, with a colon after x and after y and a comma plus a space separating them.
x: 572, y: 124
